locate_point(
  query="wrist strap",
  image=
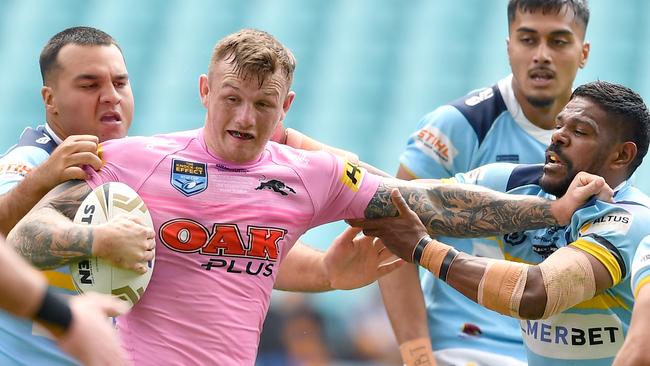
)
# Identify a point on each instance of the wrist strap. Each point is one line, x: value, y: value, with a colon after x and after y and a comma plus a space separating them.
x: 54, y: 310
x: 419, y: 248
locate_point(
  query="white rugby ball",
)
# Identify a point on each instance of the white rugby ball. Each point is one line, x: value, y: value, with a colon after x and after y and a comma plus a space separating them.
x: 96, y: 274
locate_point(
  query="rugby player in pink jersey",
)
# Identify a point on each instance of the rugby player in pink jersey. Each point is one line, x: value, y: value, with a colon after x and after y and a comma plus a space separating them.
x: 228, y: 205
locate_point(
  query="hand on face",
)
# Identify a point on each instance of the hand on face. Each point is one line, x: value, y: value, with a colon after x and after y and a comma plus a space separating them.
x: 399, y: 234
x: 584, y: 187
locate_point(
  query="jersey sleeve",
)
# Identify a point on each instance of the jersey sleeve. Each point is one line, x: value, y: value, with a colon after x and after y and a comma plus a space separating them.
x: 442, y: 146
x: 641, y: 266
x: 612, y: 239
x: 493, y: 176
x: 33, y: 148
x: 339, y: 189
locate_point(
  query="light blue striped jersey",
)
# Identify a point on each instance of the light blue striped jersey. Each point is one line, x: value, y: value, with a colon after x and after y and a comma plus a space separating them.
x: 589, y: 333
x: 23, y: 342
x: 483, y: 127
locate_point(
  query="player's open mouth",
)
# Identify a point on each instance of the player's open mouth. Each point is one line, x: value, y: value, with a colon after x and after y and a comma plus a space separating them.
x: 111, y: 117
x: 553, y: 160
x: 241, y: 135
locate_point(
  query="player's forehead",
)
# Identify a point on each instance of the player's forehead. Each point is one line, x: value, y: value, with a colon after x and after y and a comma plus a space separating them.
x: 74, y: 60
x: 562, y: 20
x: 231, y: 76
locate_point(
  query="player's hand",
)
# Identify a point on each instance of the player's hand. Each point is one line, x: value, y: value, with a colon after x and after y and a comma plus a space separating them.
x: 91, y: 338
x: 67, y: 161
x: 400, y: 234
x: 354, y: 260
x: 126, y: 242
x: 583, y: 187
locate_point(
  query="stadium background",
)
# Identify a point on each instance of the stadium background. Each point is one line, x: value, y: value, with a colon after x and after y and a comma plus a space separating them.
x: 367, y: 71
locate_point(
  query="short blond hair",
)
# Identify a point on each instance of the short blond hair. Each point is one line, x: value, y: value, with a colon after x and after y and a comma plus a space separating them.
x: 254, y: 53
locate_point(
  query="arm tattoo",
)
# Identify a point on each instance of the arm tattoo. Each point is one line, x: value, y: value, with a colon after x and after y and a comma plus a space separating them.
x: 46, y: 237
x: 456, y: 210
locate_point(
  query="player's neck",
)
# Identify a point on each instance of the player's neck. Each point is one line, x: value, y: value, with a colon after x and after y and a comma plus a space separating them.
x: 542, y: 117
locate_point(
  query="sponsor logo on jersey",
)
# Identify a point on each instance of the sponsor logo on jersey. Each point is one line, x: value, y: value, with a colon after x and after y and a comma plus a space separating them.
x: 471, y: 329
x: 544, y: 250
x: 574, y: 336
x: 20, y: 169
x: 224, y: 246
x: 352, y: 176
x: 508, y: 158
x: 484, y: 94
x: 43, y: 140
x: 435, y: 144
x: 224, y: 168
x: 276, y: 186
x: 189, y: 177
x: 618, y: 222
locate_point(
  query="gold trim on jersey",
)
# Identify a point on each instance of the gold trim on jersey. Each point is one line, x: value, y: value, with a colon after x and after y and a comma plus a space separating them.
x: 603, y: 255
x: 641, y: 283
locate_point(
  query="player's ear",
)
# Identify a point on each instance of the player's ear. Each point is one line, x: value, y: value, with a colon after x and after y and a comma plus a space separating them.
x: 47, y: 94
x: 287, y: 101
x: 204, y: 89
x: 586, y: 47
x: 624, y: 155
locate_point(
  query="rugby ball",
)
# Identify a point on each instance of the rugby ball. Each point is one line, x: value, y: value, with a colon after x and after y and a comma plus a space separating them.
x: 96, y: 274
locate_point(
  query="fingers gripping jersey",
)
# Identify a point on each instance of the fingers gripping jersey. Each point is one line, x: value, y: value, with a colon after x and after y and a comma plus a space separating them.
x: 222, y: 231
x: 23, y: 342
x: 589, y: 333
x: 486, y: 126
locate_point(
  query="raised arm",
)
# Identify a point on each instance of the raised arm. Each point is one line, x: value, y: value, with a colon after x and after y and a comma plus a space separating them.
x: 48, y: 238
x: 462, y: 210
x: 566, y: 278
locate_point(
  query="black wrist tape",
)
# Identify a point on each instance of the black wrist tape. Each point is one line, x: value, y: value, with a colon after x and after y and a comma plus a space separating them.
x: 419, y: 248
x: 54, y: 310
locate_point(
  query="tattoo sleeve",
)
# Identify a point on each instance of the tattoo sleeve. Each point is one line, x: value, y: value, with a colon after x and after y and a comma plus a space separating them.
x: 46, y: 236
x: 463, y: 210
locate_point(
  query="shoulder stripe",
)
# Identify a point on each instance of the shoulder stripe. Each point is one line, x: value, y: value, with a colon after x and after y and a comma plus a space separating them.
x: 524, y: 174
x: 480, y: 109
x: 38, y: 138
x: 606, y: 253
x: 641, y: 283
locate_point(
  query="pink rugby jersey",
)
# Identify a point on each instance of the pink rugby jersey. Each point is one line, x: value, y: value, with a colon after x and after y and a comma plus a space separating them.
x: 222, y: 231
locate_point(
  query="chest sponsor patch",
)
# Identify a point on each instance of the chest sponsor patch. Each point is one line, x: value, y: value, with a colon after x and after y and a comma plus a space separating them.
x: 189, y: 177
x: 618, y: 222
x: 574, y: 336
x: 435, y: 144
x: 20, y: 169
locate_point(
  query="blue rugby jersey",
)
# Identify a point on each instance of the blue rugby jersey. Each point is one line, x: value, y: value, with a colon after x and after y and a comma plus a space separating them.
x: 486, y: 126
x: 591, y: 332
x: 23, y: 342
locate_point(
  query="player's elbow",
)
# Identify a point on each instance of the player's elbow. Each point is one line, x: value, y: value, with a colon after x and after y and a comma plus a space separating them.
x: 533, y: 300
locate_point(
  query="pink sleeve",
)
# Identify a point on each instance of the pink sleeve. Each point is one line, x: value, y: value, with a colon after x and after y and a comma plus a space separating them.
x: 339, y: 189
x: 126, y: 160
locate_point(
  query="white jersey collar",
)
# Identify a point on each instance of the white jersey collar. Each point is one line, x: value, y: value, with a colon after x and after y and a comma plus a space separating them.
x: 508, y: 94
x: 53, y: 135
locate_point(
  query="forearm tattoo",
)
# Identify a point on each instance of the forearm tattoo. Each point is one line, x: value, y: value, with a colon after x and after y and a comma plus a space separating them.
x: 452, y: 210
x: 47, y: 239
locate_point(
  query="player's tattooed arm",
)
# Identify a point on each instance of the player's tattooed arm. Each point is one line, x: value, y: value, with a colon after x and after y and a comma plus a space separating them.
x: 46, y: 236
x: 463, y: 210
